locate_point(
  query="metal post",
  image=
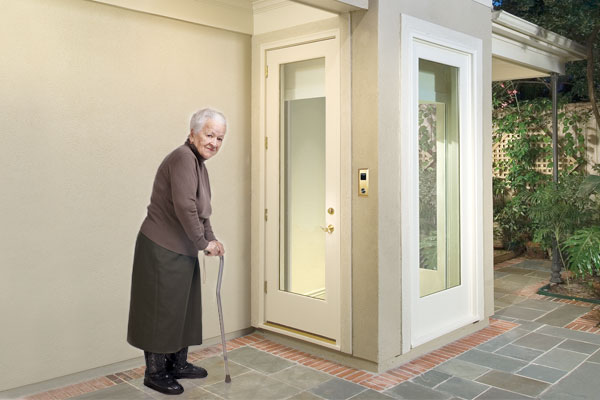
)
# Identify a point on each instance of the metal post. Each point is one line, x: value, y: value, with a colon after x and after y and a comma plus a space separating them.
x: 556, y: 262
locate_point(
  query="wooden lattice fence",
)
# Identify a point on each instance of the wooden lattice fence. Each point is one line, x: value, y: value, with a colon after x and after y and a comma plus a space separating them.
x: 590, y: 132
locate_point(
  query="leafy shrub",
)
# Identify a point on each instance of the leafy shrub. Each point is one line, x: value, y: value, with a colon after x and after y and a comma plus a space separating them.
x: 582, y: 248
x: 556, y: 210
x: 583, y: 251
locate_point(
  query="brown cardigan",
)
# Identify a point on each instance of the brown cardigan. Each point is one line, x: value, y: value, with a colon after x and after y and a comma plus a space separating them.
x: 179, y: 210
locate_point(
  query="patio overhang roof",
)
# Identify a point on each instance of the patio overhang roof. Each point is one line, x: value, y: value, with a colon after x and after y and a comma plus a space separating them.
x: 337, y: 6
x: 521, y: 49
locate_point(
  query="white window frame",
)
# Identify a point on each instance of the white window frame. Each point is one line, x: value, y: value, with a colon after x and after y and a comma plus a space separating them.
x: 418, y: 31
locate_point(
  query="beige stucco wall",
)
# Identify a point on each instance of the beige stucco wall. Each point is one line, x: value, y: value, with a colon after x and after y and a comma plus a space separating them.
x: 377, y: 95
x: 365, y: 125
x: 93, y: 97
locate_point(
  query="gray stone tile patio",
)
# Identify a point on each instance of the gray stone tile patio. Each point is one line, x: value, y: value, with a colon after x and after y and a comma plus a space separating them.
x: 515, y: 383
x: 582, y: 383
x: 337, y: 389
x: 538, y: 359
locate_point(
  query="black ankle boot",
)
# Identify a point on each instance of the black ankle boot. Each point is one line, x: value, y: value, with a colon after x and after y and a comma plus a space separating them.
x: 157, y: 377
x: 178, y: 366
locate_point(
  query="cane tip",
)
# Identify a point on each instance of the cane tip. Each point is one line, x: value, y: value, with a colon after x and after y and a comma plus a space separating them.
x: 227, y: 379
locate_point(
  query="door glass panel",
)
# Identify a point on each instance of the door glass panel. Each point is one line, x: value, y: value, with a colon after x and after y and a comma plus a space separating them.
x: 302, y: 178
x: 439, y: 200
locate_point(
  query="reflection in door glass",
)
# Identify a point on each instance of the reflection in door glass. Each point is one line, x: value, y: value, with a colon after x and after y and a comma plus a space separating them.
x: 302, y: 178
x: 439, y: 200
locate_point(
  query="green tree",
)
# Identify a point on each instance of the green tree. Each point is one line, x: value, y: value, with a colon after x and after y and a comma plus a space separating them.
x: 578, y: 20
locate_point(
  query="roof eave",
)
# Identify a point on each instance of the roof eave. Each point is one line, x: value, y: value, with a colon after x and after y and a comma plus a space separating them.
x: 508, y: 25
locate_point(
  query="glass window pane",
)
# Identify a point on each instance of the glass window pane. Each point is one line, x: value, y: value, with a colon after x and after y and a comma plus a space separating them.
x: 302, y: 164
x: 439, y: 185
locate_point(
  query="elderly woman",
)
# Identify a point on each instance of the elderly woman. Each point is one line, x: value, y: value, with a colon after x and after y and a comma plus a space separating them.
x: 165, y: 314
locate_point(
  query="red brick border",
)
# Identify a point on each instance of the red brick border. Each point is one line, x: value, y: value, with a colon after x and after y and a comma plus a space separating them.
x: 589, y: 322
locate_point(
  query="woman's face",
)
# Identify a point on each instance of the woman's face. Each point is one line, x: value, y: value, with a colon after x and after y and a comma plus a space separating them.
x: 209, y: 139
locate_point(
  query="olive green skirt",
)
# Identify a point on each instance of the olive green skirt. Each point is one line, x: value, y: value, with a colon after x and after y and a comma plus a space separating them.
x: 165, y: 312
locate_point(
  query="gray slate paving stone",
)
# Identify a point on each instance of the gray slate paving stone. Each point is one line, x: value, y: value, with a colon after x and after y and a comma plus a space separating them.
x: 595, y: 357
x: 252, y: 386
x: 503, y: 340
x: 515, y: 270
x: 502, y: 317
x: 563, y: 315
x: 580, y: 347
x: 304, y: 396
x: 582, y: 383
x: 462, y: 388
x: 512, y: 298
x: 216, y: 370
x: 500, y: 274
x: 528, y: 325
x: 538, y: 341
x: 542, y: 373
x: 539, y: 305
x: 500, y: 394
x: 522, y: 279
x: 519, y: 352
x: 514, y: 383
x: 258, y: 360
x: 565, y: 333
x: 337, y: 389
x: 561, y: 359
x: 519, y: 312
x: 536, y: 265
x: 122, y: 391
x: 462, y: 369
x: 302, y: 377
x: 371, y: 395
x: 431, y: 378
x: 542, y: 275
x: 410, y: 390
x: 503, y: 286
x: 491, y: 360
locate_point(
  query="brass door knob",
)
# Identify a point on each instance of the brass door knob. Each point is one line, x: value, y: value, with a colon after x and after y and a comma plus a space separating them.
x: 328, y: 229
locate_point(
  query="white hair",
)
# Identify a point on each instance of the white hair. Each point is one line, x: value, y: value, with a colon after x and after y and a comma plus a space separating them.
x: 201, y: 116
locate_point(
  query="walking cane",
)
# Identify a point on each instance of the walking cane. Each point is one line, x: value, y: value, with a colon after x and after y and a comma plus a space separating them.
x: 219, y: 279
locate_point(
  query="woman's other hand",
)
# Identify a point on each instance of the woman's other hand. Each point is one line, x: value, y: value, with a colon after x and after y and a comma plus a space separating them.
x: 214, y: 248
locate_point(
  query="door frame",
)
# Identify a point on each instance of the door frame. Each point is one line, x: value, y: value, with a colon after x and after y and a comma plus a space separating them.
x: 415, y: 30
x: 258, y: 178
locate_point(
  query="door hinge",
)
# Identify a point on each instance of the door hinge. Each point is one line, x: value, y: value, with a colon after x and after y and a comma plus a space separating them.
x: 266, y: 71
x: 265, y: 286
x: 266, y: 142
x: 266, y: 214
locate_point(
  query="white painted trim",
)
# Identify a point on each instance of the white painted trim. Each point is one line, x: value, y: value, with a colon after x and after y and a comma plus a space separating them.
x: 529, y: 46
x: 533, y: 58
x: 507, y: 24
x: 412, y: 30
x: 258, y: 268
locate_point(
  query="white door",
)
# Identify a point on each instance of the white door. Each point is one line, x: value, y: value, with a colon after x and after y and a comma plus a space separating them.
x: 303, y: 190
x: 444, y: 291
